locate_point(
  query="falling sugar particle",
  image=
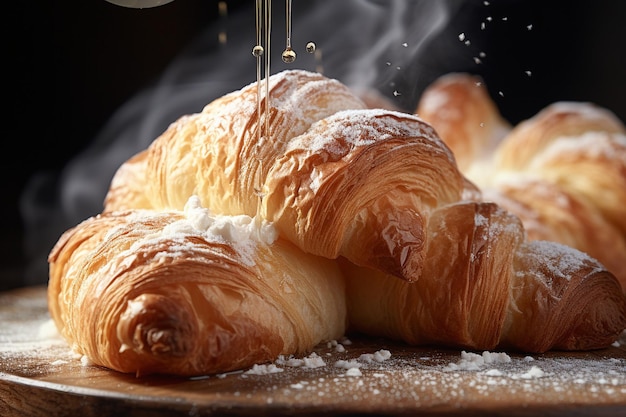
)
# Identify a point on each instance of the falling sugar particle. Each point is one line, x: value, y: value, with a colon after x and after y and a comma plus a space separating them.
x: 482, y: 54
x: 467, y: 42
x: 477, y: 60
x: 504, y: 19
x: 257, y: 51
x: 489, y: 18
x: 396, y: 93
x: 405, y: 44
x: 501, y: 93
x: 288, y: 56
x: 388, y: 63
x: 486, y: 3
x: 398, y: 68
x: 528, y: 73
x: 482, y: 25
x: 482, y: 124
x: 310, y: 47
x: 461, y: 37
x: 529, y: 27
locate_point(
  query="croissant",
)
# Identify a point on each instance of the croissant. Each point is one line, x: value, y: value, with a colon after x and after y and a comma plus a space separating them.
x: 459, y: 107
x: 388, y: 168
x: 484, y: 286
x: 233, y: 238
x: 563, y: 171
x: 188, y: 293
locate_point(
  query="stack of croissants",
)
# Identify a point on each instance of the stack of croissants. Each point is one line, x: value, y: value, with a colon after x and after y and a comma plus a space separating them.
x: 259, y: 228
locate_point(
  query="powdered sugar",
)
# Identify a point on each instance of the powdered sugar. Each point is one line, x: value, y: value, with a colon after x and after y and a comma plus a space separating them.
x: 263, y: 370
x: 589, y: 145
x: 472, y: 361
x: 362, y: 127
x: 420, y: 379
x: 311, y: 362
x: 372, y: 375
x: 236, y: 229
x: 561, y: 259
x: 240, y: 231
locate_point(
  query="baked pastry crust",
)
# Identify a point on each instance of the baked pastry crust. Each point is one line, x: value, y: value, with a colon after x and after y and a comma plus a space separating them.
x: 150, y: 292
x: 562, y: 171
x: 232, y: 239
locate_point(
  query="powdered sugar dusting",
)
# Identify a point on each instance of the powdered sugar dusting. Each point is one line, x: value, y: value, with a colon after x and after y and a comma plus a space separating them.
x: 362, y: 127
x: 235, y: 229
x: 426, y: 376
x: 581, y: 109
x: 359, y: 375
x: 473, y: 361
x: 594, y: 145
x: 263, y: 370
x: 563, y: 260
x: 241, y: 231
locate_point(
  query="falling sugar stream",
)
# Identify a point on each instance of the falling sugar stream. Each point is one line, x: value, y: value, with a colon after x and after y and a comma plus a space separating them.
x: 261, y: 51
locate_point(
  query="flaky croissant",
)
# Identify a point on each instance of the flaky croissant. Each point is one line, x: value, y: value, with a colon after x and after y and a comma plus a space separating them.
x: 484, y: 286
x: 187, y: 293
x: 336, y: 179
x: 563, y: 171
x: 155, y: 284
x: 459, y: 107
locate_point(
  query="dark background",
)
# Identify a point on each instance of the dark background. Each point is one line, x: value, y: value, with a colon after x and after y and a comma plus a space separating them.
x: 72, y: 63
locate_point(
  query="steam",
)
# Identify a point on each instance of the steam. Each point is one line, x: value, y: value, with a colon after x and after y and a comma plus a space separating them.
x: 385, y: 46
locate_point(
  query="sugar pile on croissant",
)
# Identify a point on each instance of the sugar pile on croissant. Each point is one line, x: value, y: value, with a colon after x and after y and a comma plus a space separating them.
x: 220, y: 247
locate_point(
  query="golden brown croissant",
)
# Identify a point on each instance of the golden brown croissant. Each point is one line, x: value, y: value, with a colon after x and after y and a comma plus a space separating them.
x: 563, y: 171
x: 459, y: 107
x: 189, y: 293
x: 336, y: 179
x: 145, y: 288
x: 483, y: 286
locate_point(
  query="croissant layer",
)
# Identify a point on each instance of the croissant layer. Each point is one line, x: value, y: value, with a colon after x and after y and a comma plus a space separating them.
x: 264, y: 225
x: 562, y: 171
x: 483, y: 286
x: 187, y: 302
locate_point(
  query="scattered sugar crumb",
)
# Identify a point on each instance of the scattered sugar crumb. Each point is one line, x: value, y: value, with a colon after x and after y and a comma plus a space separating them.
x: 533, y: 372
x: 473, y: 362
x: 347, y: 364
x: 353, y: 372
x: 314, y: 361
x: 311, y: 361
x: 263, y: 369
x: 379, y: 356
x: 494, y: 372
x: 347, y: 342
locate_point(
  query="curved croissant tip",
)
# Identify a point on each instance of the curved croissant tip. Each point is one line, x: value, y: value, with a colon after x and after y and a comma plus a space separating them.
x: 156, y: 325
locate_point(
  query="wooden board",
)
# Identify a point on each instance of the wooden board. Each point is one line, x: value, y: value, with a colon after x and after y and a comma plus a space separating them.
x: 40, y: 376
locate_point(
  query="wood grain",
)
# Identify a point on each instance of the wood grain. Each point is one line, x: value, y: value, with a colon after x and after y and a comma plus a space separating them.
x: 40, y: 376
